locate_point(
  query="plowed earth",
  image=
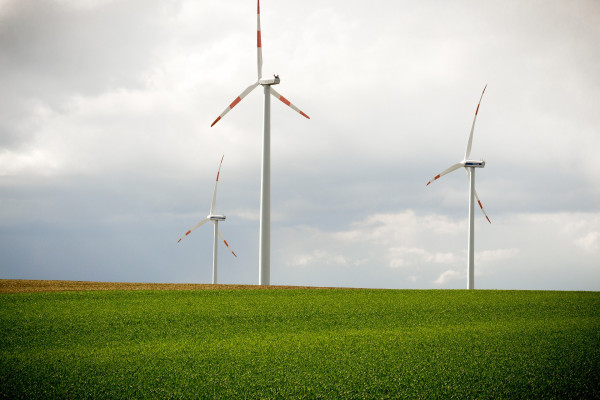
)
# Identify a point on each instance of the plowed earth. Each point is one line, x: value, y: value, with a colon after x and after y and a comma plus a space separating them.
x: 22, y: 285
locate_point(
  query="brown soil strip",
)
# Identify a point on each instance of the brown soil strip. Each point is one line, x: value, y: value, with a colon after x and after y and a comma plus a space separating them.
x: 22, y: 285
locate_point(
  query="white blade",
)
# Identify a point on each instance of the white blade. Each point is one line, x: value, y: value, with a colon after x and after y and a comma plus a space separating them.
x: 198, y: 225
x: 286, y: 102
x: 225, y: 241
x: 236, y: 101
x: 477, y: 197
x: 452, y: 168
x: 258, y: 41
x: 468, y: 152
x: 214, y: 199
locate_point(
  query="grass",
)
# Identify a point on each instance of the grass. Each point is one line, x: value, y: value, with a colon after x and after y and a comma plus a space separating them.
x: 300, y: 344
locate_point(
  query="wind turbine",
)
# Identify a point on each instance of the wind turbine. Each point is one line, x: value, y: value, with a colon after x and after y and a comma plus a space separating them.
x: 264, y: 257
x: 214, y: 218
x: 469, y: 166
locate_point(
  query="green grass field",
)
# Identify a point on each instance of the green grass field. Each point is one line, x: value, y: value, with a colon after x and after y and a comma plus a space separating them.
x: 300, y: 344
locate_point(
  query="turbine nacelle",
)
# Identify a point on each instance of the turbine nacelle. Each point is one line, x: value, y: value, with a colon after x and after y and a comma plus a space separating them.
x: 270, y: 81
x: 474, y: 163
x: 215, y: 217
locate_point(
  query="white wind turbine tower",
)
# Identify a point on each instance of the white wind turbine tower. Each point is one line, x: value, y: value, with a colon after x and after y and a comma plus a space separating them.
x: 469, y: 166
x: 264, y: 257
x: 215, y: 218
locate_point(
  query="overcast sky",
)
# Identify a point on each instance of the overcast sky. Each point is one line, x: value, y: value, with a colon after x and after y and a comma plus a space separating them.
x: 107, y: 155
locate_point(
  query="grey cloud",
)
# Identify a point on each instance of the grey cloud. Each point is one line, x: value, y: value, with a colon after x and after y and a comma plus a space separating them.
x: 50, y: 51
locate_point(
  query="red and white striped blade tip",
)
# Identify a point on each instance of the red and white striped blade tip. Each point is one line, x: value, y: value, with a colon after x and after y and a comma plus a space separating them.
x: 481, y: 97
x: 214, y: 198
x: 216, y: 120
x: 226, y: 244
x: 288, y: 103
x: 187, y: 233
x: 483, y: 211
x: 236, y: 102
x: 259, y: 42
x: 219, y: 170
x: 436, y: 178
x: 232, y: 252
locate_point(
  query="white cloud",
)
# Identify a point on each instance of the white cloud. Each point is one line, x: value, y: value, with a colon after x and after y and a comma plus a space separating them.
x: 580, y: 229
x: 415, y: 251
x: 590, y: 242
x: 495, y: 256
x: 413, y: 257
x: 447, y: 276
x: 318, y: 256
x: 29, y: 162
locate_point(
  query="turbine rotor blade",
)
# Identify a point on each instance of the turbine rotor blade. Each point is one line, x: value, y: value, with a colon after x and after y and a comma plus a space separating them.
x: 199, y: 224
x: 214, y: 199
x: 477, y: 197
x: 287, y: 102
x: 470, y: 142
x: 447, y: 171
x: 236, y: 101
x: 225, y: 241
x: 481, y: 206
x: 258, y: 41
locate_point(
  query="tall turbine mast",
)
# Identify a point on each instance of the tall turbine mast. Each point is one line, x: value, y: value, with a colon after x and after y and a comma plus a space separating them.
x: 264, y: 257
x: 469, y: 166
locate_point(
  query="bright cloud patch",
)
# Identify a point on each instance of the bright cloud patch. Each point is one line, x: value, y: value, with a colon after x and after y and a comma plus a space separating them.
x: 447, y: 276
x: 320, y: 256
x: 431, y: 250
x: 590, y: 242
x: 37, y: 161
x: 406, y: 257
